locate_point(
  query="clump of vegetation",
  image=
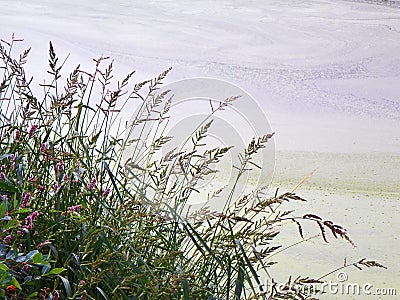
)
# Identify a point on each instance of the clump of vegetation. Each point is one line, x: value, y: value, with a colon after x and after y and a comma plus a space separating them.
x: 80, y: 222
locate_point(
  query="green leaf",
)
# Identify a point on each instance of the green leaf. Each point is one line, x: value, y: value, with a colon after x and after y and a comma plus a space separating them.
x: 2, y: 210
x: 55, y: 271
x: 7, y: 187
x: 15, y: 283
x: 67, y: 286
x: 20, y: 211
x: 102, y: 293
x: 37, y: 258
x: 94, y: 138
x: 186, y: 290
x: 30, y: 255
x: 32, y: 295
x: 10, y: 224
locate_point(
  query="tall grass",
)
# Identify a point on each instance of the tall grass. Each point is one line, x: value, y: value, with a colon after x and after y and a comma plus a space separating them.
x: 79, y: 221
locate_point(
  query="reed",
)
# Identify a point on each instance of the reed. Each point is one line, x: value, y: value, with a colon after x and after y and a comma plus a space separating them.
x: 80, y: 222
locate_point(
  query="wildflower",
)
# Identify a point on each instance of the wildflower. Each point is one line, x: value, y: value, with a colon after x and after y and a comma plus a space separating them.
x: 106, y: 193
x: 56, y: 295
x: 92, y: 184
x: 42, y: 147
x: 32, y: 130
x: 32, y: 179
x: 25, y: 267
x: 2, y: 176
x: 11, y: 287
x: 75, y: 208
x: 60, y: 166
x: 17, y: 134
x: 55, y: 187
x: 43, y: 244
x: 41, y: 188
x: 12, y: 158
x: 65, y: 177
x: 3, y: 167
x: 25, y: 201
x: 12, y: 166
x: 8, y: 239
x: 29, y: 220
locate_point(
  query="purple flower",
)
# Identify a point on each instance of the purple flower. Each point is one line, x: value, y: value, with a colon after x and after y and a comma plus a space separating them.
x: 2, y: 176
x: 56, y: 295
x: 17, y: 134
x: 12, y: 158
x: 32, y: 130
x: 3, y: 167
x: 60, y: 166
x: 25, y: 201
x: 42, y: 147
x: 92, y: 184
x: 25, y: 267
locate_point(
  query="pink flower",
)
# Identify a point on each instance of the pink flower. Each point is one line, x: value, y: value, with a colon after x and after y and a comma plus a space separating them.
x: 65, y: 177
x: 29, y: 220
x: 8, y: 239
x: 32, y: 130
x: 106, y: 193
x: 43, y: 244
x: 2, y: 176
x: 12, y: 158
x: 75, y: 208
x: 25, y: 201
x: 42, y: 147
x: 92, y: 184
x: 3, y: 167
